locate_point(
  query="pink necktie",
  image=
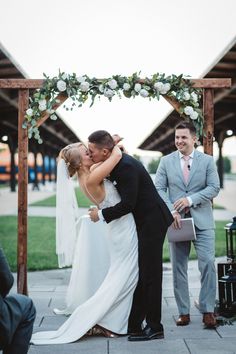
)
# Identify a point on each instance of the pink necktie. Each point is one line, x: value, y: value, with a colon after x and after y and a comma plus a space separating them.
x: 186, y: 168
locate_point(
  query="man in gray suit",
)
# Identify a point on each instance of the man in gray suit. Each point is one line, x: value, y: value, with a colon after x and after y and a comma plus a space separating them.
x: 187, y: 181
x: 17, y: 314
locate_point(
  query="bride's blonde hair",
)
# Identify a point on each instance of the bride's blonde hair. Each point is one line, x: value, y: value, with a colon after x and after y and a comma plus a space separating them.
x: 71, y: 155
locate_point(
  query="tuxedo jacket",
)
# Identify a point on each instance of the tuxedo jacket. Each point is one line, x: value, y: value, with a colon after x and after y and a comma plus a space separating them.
x: 10, y: 310
x: 203, y: 185
x: 137, y: 191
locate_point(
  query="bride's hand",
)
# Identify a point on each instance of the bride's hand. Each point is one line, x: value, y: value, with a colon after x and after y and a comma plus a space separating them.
x: 116, y: 151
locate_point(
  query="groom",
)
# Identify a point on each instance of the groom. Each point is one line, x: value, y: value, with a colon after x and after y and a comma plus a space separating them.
x: 152, y: 217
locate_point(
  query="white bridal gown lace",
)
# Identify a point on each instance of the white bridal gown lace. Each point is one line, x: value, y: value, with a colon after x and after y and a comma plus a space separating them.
x: 110, y: 305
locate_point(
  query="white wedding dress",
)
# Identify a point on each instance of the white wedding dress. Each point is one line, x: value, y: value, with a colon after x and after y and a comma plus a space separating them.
x: 110, y: 305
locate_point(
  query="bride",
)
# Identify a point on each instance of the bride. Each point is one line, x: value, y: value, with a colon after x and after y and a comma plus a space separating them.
x: 109, y: 307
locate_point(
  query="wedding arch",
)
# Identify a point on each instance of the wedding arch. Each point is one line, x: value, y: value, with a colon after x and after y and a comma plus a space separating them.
x: 185, y: 95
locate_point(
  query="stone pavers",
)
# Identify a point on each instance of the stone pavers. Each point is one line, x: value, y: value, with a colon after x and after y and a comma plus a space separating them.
x: 48, y: 290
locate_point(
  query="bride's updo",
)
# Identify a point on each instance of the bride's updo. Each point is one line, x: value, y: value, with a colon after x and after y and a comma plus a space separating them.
x: 71, y: 155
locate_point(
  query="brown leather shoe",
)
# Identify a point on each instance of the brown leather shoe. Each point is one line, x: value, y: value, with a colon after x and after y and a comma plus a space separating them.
x: 183, y: 320
x: 209, y: 320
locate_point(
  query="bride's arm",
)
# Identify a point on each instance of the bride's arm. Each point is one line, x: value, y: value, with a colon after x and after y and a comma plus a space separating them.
x: 102, y: 170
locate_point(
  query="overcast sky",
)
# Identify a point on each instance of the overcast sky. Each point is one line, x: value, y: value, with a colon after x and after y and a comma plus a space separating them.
x: 105, y: 37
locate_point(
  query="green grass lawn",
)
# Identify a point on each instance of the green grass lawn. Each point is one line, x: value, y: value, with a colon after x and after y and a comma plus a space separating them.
x: 4, y: 185
x: 82, y: 200
x: 41, y: 242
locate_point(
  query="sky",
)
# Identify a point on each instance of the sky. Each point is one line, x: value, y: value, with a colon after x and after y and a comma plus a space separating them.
x: 105, y: 37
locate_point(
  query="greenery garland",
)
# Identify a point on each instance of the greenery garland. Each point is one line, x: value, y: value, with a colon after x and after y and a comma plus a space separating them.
x: 79, y: 89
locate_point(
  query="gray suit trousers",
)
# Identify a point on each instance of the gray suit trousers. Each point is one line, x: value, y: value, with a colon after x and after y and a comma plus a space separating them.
x: 205, y: 249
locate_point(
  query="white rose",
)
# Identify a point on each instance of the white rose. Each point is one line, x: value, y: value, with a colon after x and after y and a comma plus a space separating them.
x: 84, y: 86
x: 81, y: 78
x: 143, y: 93
x: 113, y: 84
x: 194, y: 115
x: 53, y: 117
x: 42, y: 102
x: 158, y: 86
x: 126, y: 86
x: 29, y: 112
x: 186, y: 96
x: 64, y: 76
x: 101, y: 88
x: 188, y: 110
x: 194, y: 97
x: 167, y: 87
x: 57, y: 100
x: 42, y: 107
x: 137, y: 87
x: 61, y: 85
x: 108, y: 93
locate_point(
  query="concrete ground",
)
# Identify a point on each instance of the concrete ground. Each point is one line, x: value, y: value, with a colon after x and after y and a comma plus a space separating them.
x: 48, y: 289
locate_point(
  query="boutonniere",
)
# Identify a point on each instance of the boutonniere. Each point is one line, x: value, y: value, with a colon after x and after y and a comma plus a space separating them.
x: 114, y: 183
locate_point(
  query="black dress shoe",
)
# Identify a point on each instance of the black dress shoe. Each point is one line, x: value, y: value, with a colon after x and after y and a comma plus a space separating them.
x: 147, y: 334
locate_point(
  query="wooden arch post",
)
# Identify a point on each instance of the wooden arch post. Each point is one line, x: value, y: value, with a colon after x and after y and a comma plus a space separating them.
x: 23, y: 86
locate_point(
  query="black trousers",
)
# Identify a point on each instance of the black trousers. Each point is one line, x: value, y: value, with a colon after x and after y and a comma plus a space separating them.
x: 147, y: 298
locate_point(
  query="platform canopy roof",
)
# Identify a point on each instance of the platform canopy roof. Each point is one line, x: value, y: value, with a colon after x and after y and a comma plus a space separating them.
x: 55, y: 134
x: 162, y: 138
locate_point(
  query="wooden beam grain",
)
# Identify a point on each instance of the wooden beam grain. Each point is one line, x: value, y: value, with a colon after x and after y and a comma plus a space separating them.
x: 22, y: 194
x: 208, y: 114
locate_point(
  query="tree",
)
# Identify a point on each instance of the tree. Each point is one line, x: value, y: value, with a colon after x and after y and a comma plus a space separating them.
x: 153, y: 164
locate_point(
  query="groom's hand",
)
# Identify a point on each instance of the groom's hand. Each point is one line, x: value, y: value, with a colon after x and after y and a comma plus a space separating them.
x: 93, y: 213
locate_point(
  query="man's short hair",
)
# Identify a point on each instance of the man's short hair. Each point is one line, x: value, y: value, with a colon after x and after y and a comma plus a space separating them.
x: 102, y: 139
x: 187, y: 125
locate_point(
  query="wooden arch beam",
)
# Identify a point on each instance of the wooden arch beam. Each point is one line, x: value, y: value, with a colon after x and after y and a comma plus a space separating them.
x: 23, y: 86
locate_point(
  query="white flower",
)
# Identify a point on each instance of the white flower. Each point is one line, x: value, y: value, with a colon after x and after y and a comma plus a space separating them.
x: 29, y: 112
x: 126, y: 86
x: 194, y: 115
x: 158, y: 86
x: 194, y: 97
x: 101, y: 88
x: 113, y: 84
x: 81, y: 78
x: 84, y: 86
x: 186, y: 96
x: 108, y: 93
x: 42, y: 105
x: 61, y: 85
x: 137, y: 87
x: 188, y: 110
x: 42, y: 102
x: 143, y: 93
x: 65, y: 76
x: 166, y: 87
x: 53, y: 117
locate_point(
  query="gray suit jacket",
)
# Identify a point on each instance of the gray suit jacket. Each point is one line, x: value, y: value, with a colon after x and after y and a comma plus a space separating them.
x: 203, y: 185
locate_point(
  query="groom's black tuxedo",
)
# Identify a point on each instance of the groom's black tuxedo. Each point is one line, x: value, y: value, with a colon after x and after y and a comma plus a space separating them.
x: 152, y: 217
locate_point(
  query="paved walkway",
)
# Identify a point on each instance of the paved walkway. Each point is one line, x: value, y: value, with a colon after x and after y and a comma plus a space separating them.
x: 48, y: 291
